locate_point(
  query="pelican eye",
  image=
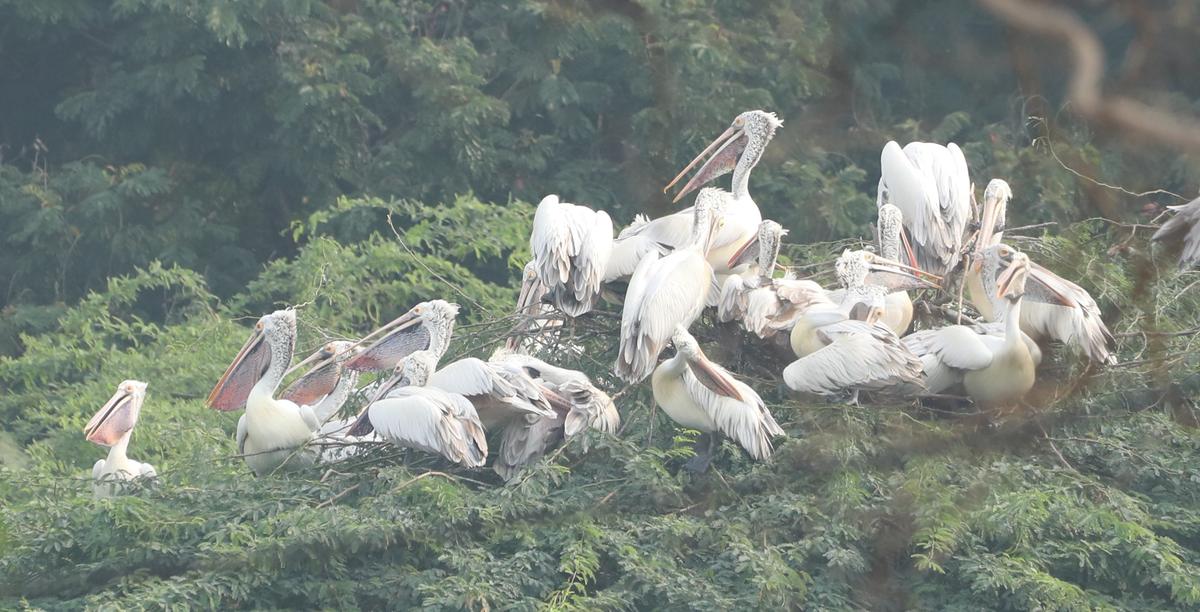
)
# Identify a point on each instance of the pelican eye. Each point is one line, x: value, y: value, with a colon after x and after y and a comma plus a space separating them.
x: 258, y: 325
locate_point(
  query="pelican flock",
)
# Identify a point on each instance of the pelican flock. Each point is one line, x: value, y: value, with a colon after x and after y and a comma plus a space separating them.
x: 720, y: 255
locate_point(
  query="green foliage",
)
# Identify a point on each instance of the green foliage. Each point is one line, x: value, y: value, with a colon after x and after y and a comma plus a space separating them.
x: 170, y: 170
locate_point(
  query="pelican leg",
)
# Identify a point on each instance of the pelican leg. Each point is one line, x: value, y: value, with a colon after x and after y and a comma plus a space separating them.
x: 704, y: 448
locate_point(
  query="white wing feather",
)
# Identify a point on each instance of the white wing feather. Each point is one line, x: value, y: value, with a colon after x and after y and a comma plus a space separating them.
x: 747, y: 422
x: 663, y: 294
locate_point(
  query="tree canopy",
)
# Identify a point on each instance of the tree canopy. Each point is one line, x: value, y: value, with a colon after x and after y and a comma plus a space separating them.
x: 171, y: 169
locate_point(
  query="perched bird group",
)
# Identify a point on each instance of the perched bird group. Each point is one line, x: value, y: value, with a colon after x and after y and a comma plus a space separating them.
x: 720, y: 254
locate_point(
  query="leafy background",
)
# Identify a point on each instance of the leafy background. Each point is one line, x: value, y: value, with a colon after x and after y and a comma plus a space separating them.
x: 171, y: 169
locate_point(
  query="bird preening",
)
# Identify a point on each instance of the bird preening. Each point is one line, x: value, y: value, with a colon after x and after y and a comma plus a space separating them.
x: 861, y: 341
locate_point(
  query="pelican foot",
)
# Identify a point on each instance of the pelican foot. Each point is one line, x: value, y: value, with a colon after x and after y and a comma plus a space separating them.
x: 704, y: 447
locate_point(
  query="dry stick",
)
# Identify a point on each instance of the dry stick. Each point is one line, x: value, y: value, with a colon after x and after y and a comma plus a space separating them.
x: 417, y: 259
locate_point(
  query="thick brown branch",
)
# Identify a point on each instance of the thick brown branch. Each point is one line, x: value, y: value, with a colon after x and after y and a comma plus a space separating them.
x: 1084, y: 89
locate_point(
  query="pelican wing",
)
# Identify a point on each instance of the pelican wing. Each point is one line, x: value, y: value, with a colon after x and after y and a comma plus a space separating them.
x: 731, y: 306
x: 1066, y: 313
x: 747, y: 420
x: 956, y: 346
x: 240, y: 436
x: 663, y: 294
x: 524, y: 442
x: 628, y: 252
x: 571, y: 246
x: 427, y: 420
x: 857, y: 355
x: 931, y: 186
x: 1184, y: 227
x: 673, y: 230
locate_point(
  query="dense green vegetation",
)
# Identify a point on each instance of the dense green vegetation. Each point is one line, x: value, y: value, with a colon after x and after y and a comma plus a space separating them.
x: 173, y: 169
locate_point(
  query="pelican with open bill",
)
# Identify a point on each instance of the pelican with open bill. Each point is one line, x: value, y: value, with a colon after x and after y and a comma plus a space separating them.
x: 426, y: 326
x: 112, y: 426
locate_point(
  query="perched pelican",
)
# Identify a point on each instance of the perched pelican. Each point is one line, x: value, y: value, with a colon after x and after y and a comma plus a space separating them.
x: 327, y: 385
x: 571, y: 246
x: 898, y: 307
x: 426, y: 326
x: 273, y: 430
x: 843, y: 354
x: 863, y: 275
x: 1184, y: 227
x: 738, y: 149
x: 413, y: 415
x: 112, y: 426
x: 499, y: 394
x: 994, y: 370
x: 1055, y: 308
x: 668, y: 292
x: 699, y: 394
x: 779, y: 305
x: 577, y: 404
x: 736, y: 288
x: 931, y: 186
x: 537, y: 315
x: 587, y: 405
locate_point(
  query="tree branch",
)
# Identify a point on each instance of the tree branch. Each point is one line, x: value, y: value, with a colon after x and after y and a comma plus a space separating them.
x: 1084, y: 88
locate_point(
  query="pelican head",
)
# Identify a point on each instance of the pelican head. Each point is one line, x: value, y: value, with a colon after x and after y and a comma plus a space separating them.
x: 770, y: 238
x: 323, y: 376
x: 1011, y: 284
x: 685, y: 343
x: 865, y: 302
x: 274, y: 337
x: 995, y: 211
x: 119, y: 414
x: 852, y: 268
x: 858, y: 268
x: 427, y: 325
x: 746, y: 138
x: 413, y: 371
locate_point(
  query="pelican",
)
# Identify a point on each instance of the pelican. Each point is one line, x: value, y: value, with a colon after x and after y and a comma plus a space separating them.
x: 327, y: 385
x: 413, y: 415
x: 668, y: 292
x: 577, y: 403
x: 862, y: 275
x: 426, y: 326
x: 1184, y: 227
x: 112, y: 426
x: 535, y: 314
x: 738, y: 149
x: 499, y: 394
x: 272, y: 431
x: 845, y: 354
x: 699, y: 394
x: 736, y: 288
x: 571, y: 246
x: 931, y: 186
x: 898, y: 307
x: 993, y: 370
x: 587, y: 405
x: 1055, y: 308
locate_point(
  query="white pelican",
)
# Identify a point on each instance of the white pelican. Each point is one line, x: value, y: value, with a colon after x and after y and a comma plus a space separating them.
x: 425, y: 418
x: 699, y: 394
x: 1054, y: 309
x: 499, y: 394
x: 738, y: 149
x: 272, y: 430
x: 736, y: 288
x: 931, y: 186
x: 856, y: 272
x: 843, y: 354
x: 112, y: 426
x: 668, y: 292
x: 571, y: 246
x: 426, y: 326
x: 898, y: 306
x: 536, y: 316
x: 577, y: 404
x: 993, y: 370
x: 1184, y: 227
x: 327, y: 385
